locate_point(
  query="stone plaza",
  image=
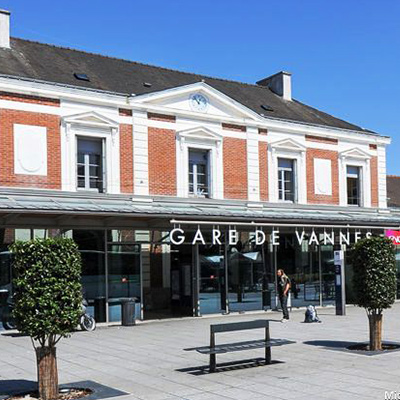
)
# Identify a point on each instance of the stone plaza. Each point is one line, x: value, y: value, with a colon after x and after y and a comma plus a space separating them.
x: 147, y: 361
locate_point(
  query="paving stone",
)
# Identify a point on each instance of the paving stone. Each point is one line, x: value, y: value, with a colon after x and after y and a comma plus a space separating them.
x: 148, y: 360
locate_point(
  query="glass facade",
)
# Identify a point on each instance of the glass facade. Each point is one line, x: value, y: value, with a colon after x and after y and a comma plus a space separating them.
x: 185, y: 280
x: 246, y: 275
x: 310, y: 268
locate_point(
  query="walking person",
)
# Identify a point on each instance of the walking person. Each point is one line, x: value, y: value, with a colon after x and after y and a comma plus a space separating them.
x: 283, y: 292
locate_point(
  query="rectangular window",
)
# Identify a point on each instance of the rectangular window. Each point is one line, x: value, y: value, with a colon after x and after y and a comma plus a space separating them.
x: 90, y: 170
x: 199, y: 173
x: 286, y: 179
x: 353, y: 175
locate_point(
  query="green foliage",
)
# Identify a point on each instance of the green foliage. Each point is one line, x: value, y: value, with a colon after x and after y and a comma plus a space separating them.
x: 374, y: 280
x: 48, y: 292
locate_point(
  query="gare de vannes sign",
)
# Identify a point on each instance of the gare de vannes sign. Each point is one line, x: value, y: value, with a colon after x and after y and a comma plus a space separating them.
x: 178, y: 237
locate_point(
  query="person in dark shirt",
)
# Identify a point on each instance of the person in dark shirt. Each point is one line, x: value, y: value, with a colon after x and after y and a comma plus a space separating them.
x: 283, y: 282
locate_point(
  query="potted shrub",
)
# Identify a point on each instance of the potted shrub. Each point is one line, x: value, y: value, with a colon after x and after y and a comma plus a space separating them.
x: 374, y: 282
x: 48, y: 298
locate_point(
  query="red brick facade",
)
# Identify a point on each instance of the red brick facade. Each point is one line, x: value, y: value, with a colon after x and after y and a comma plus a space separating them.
x: 235, y: 168
x: 162, y: 162
x: 161, y: 156
x: 126, y: 157
x: 263, y: 162
x: 25, y: 98
x: 374, y: 182
x: 232, y: 127
x: 7, y: 177
x: 313, y: 198
x: 125, y: 112
x: 263, y: 131
x: 320, y: 139
x: 161, y: 117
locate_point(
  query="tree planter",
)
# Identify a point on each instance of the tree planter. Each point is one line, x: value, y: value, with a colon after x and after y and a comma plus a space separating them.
x: 374, y: 282
x: 48, y: 301
x: 47, y: 372
x: 63, y: 394
x: 375, y: 331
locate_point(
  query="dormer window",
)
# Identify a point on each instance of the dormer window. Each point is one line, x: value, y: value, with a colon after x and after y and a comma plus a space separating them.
x: 199, y: 173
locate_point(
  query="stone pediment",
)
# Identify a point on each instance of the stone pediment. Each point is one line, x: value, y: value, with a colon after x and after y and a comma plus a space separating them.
x: 183, y: 98
x: 91, y: 118
x: 288, y: 145
x: 200, y: 133
x: 355, y: 153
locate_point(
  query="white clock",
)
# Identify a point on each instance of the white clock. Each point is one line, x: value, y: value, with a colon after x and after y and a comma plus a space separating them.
x: 198, y: 102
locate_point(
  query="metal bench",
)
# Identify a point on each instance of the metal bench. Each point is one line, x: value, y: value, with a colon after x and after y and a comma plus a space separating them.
x: 214, y: 349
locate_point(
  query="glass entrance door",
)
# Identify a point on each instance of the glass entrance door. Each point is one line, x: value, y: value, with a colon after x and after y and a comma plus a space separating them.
x: 181, y: 280
x: 123, y: 277
x: 246, y: 275
x: 212, y: 289
x: 327, y: 275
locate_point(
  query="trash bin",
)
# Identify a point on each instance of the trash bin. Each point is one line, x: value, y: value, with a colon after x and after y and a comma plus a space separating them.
x: 100, y: 309
x: 128, y: 306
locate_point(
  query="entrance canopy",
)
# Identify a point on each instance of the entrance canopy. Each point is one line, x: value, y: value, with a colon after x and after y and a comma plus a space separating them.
x: 104, y: 211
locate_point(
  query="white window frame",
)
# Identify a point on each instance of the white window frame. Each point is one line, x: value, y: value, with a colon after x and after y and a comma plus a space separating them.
x: 200, y: 138
x: 90, y: 125
x: 357, y: 158
x: 292, y: 150
x: 281, y: 172
x: 195, y: 175
x: 360, y: 185
x: 87, y: 187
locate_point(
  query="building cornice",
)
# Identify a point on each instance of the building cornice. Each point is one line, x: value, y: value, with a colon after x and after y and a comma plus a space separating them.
x: 122, y: 100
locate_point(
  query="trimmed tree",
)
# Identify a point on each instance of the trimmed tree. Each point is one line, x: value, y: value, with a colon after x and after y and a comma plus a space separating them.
x: 374, y: 282
x: 48, y: 298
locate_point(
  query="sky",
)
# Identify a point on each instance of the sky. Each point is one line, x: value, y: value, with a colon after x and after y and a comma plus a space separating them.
x: 344, y: 54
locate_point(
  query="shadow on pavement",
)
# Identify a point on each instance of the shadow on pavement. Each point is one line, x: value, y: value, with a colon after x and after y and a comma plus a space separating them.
x: 14, y: 386
x: 228, y: 366
x: 13, y: 334
x: 330, y: 344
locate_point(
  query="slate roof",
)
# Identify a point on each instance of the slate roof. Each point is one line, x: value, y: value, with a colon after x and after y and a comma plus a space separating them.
x: 55, y: 64
x: 393, y: 190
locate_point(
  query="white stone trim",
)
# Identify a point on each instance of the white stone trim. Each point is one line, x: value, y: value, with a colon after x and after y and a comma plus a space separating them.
x: 205, y: 139
x: 140, y: 153
x: 30, y: 149
x: 287, y: 148
x: 381, y: 164
x: 90, y: 124
x: 360, y: 159
x: 253, y: 165
x: 322, y: 176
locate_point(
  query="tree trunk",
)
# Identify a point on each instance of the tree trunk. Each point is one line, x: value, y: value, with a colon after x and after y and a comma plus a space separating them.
x: 47, y: 373
x: 375, y: 331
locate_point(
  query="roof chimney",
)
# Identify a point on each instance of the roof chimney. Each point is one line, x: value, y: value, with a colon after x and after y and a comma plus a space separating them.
x: 5, y: 29
x: 280, y: 83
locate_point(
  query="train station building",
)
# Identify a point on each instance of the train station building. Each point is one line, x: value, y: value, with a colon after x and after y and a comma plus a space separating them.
x: 185, y: 191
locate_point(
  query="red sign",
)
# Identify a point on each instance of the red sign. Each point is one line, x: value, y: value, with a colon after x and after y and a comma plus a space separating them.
x: 394, y: 236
